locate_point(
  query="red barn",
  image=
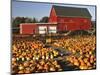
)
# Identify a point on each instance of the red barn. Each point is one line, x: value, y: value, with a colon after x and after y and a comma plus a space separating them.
x: 70, y: 18
x: 41, y: 28
x: 28, y: 28
x: 61, y: 19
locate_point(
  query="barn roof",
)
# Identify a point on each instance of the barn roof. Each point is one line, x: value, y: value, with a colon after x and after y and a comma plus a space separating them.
x: 71, y: 12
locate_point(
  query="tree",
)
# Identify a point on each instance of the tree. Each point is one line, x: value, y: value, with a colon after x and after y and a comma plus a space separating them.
x: 34, y: 20
x: 16, y: 22
x: 44, y: 19
x: 28, y: 20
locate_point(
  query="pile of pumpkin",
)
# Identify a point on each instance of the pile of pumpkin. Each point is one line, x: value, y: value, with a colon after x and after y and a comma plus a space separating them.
x: 83, y: 49
x: 34, y: 66
x: 30, y: 56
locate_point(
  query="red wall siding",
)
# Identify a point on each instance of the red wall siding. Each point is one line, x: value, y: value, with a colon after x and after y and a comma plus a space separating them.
x: 73, y: 23
x: 64, y: 24
x: 68, y: 26
x: 28, y: 29
x: 86, y: 25
x: 32, y: 28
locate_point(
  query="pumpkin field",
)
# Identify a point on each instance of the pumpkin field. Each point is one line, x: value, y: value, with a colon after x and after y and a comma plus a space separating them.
x: 69, y: 53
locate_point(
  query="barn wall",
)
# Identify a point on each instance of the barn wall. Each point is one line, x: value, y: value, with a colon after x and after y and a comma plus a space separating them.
x: 33, y: 28
x: 64, y: 24
x: 28, y: 29
x: 86, y: 25
x: 73, y: 23
x: 52, y: 17
x: 68, y: 26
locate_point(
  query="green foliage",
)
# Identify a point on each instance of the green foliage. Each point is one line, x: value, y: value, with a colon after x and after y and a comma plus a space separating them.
x: 18, y: 20
x: 28, y: 20
x: 34, y: 20
x: 44, y: 19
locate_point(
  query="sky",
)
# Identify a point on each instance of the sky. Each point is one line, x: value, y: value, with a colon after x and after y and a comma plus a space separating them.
x: 39, y: 10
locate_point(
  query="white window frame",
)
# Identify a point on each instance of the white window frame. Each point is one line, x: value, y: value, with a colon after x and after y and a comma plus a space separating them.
x: 52, y: 30
x: 42, y: 31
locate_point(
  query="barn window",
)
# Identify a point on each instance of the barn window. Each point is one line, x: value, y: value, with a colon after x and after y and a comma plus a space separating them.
x: 42, y: 29
x: 52, y: 29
